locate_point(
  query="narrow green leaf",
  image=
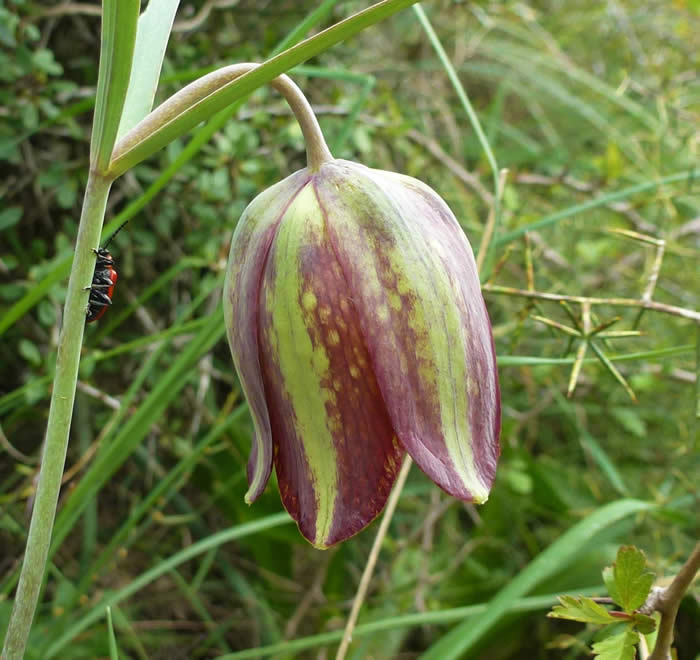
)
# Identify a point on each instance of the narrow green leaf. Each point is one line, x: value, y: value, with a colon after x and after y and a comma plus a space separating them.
x: 224, y: 96
x: 161, y: 493
x: 604, y: 462
x: 581, y: 609
x: 630, y: 419
x: 435, y: 617
x: 613, y: 370
x: 161, y: 568
x: 310, y: 20
x: 9, y: 217
x: 113, y: 651
x: 578, y: 209
x: 135, y: 428
x: 563, y: 552
x: 617, y: 647
x: 152, y: 36
x: 632, y: 579
x: 470, y: 112
x: 35, y: 293
x: 119, y: 18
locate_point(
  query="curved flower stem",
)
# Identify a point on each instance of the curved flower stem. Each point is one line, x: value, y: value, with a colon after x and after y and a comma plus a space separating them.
x: 372, y: 559
x: 667, y: 602
x: 59, y: 422
x: 317, y: 151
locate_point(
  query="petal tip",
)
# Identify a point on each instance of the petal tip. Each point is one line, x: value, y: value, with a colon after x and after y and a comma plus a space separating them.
x: 256, y: 487
x: 479, y: 498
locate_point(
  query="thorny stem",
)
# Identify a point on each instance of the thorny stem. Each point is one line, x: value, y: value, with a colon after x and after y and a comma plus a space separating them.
x: 372, y: 559
x: 651, y: 305
x: 317, y: 151
x: 667, y: 602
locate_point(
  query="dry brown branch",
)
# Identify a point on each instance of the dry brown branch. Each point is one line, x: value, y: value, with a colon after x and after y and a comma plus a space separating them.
x: 314, y: 594
x: 490, y: 222
x: 372, y: 559
x: 188, y: 24
x: 469, y: 179
x: 15, y: 453
x: 666, y: 601
x: 651, y: 305
x: 70, y: 8
x: 183, y: 25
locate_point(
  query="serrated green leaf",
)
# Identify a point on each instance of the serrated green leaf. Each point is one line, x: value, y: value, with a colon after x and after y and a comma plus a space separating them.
x: 632, y: 579
x: 581, y: 609
x: 609, y: 579
x: 617, y: 647
x: 652, y: 636
x: 645, y: 624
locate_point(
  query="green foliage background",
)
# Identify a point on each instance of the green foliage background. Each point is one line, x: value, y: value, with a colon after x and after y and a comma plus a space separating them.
x: 578, y: 100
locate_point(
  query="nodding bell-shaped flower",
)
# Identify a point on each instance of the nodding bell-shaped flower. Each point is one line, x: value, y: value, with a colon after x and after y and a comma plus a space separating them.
x: 355, y: 317
x: 358, y: 328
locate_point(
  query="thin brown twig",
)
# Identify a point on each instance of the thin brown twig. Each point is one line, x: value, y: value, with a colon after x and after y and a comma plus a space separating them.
x: 469, y: 179
x: 491, y: 221
x: 651, y: 305
x: 372, y: 559
x: 426, y: 551
x: 183, y: 25
x: 583, y: 346
x: 655, y: 269
x: 71, y: 8
x: 189, y: 24
x: 15, y: 453
x: 313, y: 594
x: 93, y: 392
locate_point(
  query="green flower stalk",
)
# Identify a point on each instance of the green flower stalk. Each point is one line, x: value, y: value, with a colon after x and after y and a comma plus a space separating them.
x: 357, y: 325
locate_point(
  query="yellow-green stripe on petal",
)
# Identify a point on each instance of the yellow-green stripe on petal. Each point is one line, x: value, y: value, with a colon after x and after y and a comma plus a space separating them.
x: 356, y: 321
x: 411, y: 274
x: 249, y: 247
x: 335, y: 451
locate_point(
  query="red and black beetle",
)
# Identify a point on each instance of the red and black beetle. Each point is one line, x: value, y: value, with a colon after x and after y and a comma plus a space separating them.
x: 103, y: 280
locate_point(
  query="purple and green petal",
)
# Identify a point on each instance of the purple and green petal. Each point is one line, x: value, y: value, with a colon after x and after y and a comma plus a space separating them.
x: 411, y: 275
x: 249, y: 249
x: 335, y: 451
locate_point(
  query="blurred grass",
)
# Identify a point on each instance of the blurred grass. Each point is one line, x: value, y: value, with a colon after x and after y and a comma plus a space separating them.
x: 593, y: 109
